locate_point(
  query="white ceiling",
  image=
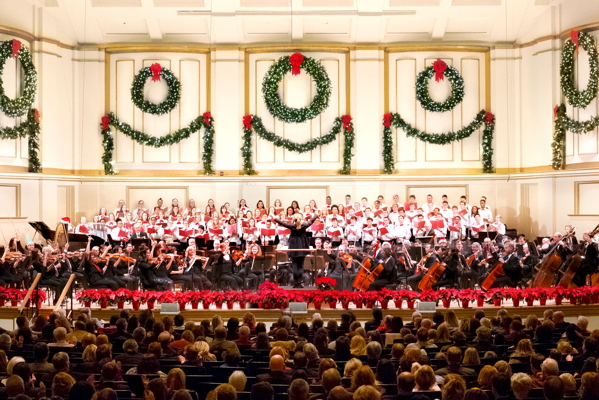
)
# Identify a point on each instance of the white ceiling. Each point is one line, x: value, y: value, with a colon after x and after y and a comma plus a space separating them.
x: 287, y: 21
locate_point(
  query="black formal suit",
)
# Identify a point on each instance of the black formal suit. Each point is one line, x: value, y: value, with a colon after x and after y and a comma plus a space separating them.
x: 226, y: 267
x: 95, y: 276
x: 414, y: 280
x: 298, y: 239
x: 388, y: 275
x: 451, y: 273
x: 512, y: 272
x: 139, y: 235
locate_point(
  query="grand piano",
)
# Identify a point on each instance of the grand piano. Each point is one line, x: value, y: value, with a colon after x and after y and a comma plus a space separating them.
x: 60, y: 236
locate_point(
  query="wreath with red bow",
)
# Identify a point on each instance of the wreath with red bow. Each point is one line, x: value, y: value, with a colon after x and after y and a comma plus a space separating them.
x: 576, y: 98
x: 293, y: 64
x: 21, y: 105
x: 439, y: 70
x: 155, y: 71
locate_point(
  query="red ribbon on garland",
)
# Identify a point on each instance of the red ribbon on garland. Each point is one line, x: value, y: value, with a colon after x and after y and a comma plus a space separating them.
x: 156, y: 69
x: 207, y: 117
x: 105, y: 122
x: 387, y: 120
x: 346, y: 119
x: 439, y: 66
x: 296, y: 61
x: 247, y: 121
x: 555, y: 112
x: 16, y: 46
x: 36, y: 115
x: 489, y: 118
x: 574, y: 37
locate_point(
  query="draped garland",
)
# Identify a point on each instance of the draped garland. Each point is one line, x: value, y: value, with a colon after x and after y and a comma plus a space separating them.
x: 205, y: 121
x: 395, y: 120
x: 30, y: 128
x: 563, y: 122
x: 252, y: 123
x: 156, y: 72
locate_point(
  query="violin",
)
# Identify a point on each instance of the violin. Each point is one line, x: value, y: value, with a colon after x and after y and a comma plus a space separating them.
x: 122, y: 257
x: 237, y: 254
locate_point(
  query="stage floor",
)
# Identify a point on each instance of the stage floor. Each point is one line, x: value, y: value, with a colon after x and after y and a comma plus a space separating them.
x: 326, y: 312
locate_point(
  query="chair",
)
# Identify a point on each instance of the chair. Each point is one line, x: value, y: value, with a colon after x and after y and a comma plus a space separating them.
x: 433, y: 395
x: 520, y: 367
x: 135, y: 383
x: 390, y: 389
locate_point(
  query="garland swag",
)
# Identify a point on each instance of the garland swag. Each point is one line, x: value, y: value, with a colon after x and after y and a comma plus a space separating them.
x: 395, y: 120
x: 254, y: 123
x: 562, y: 124
x: 205, y: 121
x: 31, y: 128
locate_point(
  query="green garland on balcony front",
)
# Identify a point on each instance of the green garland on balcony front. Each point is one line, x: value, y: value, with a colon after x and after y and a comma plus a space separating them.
x: 483, y: 117
x: 20, y: 105
x: 574, y: 97
x: 204, y: 121
x: 31, y: 128
x: 562, y: 124
x: 254, y: 123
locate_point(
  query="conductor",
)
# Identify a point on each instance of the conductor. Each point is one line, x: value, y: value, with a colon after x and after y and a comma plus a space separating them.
x: 297, y: 240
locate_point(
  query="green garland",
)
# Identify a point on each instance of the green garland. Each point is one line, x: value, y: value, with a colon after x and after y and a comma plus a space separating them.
x: 137, y: 92
x: 574, y: 97
x: 20, y: 105
x: 457, y: 90
x: 481, y: 118
x: 31, y: 128
x: 257, y: 126
x: 562, y: 124
x: 205, y: 121
x: 273, y: 101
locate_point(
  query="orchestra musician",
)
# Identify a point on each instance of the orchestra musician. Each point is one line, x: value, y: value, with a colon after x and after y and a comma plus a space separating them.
x: 453, y: 265
x: 195, y: 269
x: 387, y: 277
x: 590, y: 262
x: 528, y: 263
x: 94, y: 267
x: 7, y: 277
x: 124, y: 266
x: 472, y: 267
x: 227, y: 268
x: 147, y: 268
x: 423, y: 266
x: 511, y: 267
x: 253, y: 276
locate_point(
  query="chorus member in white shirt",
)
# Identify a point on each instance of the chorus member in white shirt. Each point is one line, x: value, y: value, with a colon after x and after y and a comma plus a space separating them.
x: 477, y: 226
x: 369, y: 231
x: 412, y: 213
x: 103, y: 215
x: 212, y: 206
x: 121, y: 210
x: 154, y: 231
x: 212, y: 227
x: 83, y: 227
x: 111, y: 223
x: 242, y: 206
x: 278, y: 206
x: 467, y: 217
x: 313, y: 228
x: 183, y: 232
x: 403, y: 228
x: 348, y: 202
x: 335, y: 231
x: 485, y: 211
x: 335, y: 216
x: 465, y: 200
x: 411, y: 200
x: 313, y: 205
x: 251, y: 233
x: 139, y: 210
x: 446, y: 210
x: 394, y: 213
x: 364, y: 204
x: 457, y: 230
x: 161, y: 206
x: 225, y: 214
x: 327, y: 205
x: 231, y: 231
x: 445, y: 199
x: 353, y: 231
x: 308, y: 212
x: 396, y: 201
x: 265, y: 238
x: 391, y: 232
x: 442, y: 230
x: 119, y: 233
x: 499, y: 226
x: 421, y: 227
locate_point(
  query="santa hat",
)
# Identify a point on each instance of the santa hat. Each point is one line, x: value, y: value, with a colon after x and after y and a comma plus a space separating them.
x: 65, y: 220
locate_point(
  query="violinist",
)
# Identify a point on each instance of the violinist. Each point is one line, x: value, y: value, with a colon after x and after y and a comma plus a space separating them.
x: 147, y: 268
x: 94, y: 267
x: 6, y: 265
x: 165, y: 263
x: 50, y: 273
x: 227, y: 268
x: 404, y: 262
x: 69, y: 264
x: 120, y: 266
x: 511, y: 267
x: 589, y: 264
x: 195, y: 269
x: 423, y: 266
x: 387, y: 277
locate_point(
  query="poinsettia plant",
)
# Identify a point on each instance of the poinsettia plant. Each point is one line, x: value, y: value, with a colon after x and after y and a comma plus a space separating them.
x: 215, y: 297
x: 196, y: 297
x: 496, y: 293
x: 386, y: 294
x: 467, y: 294
x: 122, y: 295
x: 15, y: 294
x: 429, y: 295
x: 325, y: 283
x: 88, y: 295
x: 167, y: 297
x: 38, y: 295
x: 152, y: 295
x: 138, y: 295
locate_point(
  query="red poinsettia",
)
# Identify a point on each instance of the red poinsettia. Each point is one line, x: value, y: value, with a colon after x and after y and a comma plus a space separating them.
x: 296, y: 61
x: 207, y: 118
x: 151, y: 295
x: 439, y: 66
x: 38, y: 295
x: 467, y: 294
x: 247, y: 121
x: 156, y: 70
x: 167, y: 297
x: 387, y: 120
x: 325, y: 283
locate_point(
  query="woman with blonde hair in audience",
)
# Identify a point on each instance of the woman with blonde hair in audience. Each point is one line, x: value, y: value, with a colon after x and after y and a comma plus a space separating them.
x: 503, y: 367
x: 471, y: 357
x: 465, y: 326
x: 217, y: 321
x: 238, y: 380
x: 249, y: 320
x: 532, y: 322
x: 589, y: 386
x: 3, y: 362
x: 486, y: 322
x: 565, y: 349
x: 62, y: 384
x: 569, y: 384
x: 485, y: 377
x: 203, y: 350
x: 361, y: 331
x: 451, y: 320
x: 357, y: 346
x: 325, y: 363
x: 101, y: 339
x: 362, y: 376
x: 354, y: 325
x: 367, y: 392
x: 175, y: 380
x: 425, y: 380
x: 280, y: 351
x: 351, y: 367
x: 454, y: 387
x: 523, y: 349
x: 443, y: 334
x: 63, y: 322
x: 521, y: 384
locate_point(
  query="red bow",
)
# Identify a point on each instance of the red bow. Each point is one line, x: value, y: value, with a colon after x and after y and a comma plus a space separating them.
x: 36, y: 114
x: 489, y: 118
x: 439, y: 66
x: 156, y: 69
x: 555, y: 112
x: 296, y: 61
x: 346, y: 119
x: 16, y: 46
x: 247, y: 121
x: 574, y: 36
x: 105, y: 122
x: 207, y: 117
x: 387, y: 120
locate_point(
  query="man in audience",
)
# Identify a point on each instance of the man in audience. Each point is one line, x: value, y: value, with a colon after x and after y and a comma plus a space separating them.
x: 220, y: 342
x: 521, y: 385
x: 225, y: 392
x: 41, y: 364
x: 131, y: 356
x: 79, y: 331
x: 558, y: 320
x: 501, y: 386
x: 62, y: 364
x: 14, y: 386
x: 281, y: 337
x: 277, y: 374
x: 330, y: 379
x: 454, y: 358
x: 244, y: 337
x: 165, y: 342
x: 377, y: 317
x: 121, y: 330
x: 423, y: 342
x: 300, y: 363
x: 262, y: 391
x: 548, y: 368
x: 553, y: 388
x: 589, y: 349
x: 299, y: 390
x: 583, y: 324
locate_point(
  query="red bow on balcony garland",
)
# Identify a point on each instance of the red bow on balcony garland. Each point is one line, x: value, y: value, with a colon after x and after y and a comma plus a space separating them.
x: 439, y: 66
x: 105, y: 122
x: 156, y: 69
x: 489, y: 118
x: 16, y: 46
x: 387, y: 120
x: 296, y: 61
x: 346, y: 119
x: 207, y: 117
x: 36, y: 115
x: 574, y: 36
x: 555, y: 109
x: 247, y: 121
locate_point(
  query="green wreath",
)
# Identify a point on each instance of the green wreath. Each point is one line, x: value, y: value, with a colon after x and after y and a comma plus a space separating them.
x: 137, y: 90
x: 274, y: 76
x: 440, y: 69
x: 20, y: 105
x: 575, y: 97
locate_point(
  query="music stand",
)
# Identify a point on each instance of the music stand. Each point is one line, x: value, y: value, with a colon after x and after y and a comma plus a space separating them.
x: 200, y: 243
x: 138, y: 242
x: 483, y: 235
x: 416, y: 253
x: 533, y: 249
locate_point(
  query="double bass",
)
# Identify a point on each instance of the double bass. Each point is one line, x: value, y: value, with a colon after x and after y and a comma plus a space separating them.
x: 434, y: 273
x: 549, y: 266
x: 575, y: 262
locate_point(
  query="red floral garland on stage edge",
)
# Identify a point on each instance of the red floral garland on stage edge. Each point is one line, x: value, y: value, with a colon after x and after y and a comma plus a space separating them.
x: 270, y: 295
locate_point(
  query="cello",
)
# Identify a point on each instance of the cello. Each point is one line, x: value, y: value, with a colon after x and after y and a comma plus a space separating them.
x: 435, y: 272
x: 549, y: 266
x: 493, y: 275
x: 365, y: 276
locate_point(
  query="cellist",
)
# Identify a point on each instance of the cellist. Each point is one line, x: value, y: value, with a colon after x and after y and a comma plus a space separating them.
x: 589, y: 264
x: 425, y: 263
x: 511, y: 267
x: 453, y: 264
x: 387, y: 277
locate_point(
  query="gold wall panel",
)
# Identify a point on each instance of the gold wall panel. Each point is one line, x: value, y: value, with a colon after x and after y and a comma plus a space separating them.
x: 585, y: 198
x: 265, y: 151
x: 190, y: 75
x: 124, y: 109
x: 156, y: 125
x: 11, y: 200
x: 470, y: 107
x: 407, y: 106
x: 439, y: 91
x: 331, y: 153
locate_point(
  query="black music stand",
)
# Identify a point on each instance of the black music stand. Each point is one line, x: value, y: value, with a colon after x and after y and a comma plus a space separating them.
x: 483, y: 235
x: 138, y: 242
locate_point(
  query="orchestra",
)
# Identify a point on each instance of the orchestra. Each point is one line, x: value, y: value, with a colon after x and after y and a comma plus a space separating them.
x: 402, y: 245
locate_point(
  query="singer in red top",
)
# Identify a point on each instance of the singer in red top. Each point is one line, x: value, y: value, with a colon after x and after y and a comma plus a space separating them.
x: 298, y: 240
